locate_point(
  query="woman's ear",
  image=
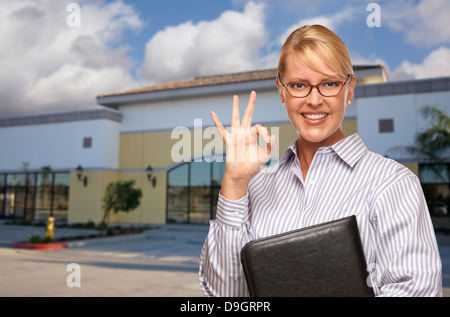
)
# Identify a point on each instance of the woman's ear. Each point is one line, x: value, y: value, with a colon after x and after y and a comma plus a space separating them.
x: 281, y: 91
x: 351, y: 89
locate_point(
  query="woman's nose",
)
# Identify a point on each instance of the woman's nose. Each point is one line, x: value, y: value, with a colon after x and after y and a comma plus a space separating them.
x: 315, y: 98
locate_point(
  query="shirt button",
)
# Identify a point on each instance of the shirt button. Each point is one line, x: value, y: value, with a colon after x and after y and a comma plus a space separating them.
x: 236, y: 214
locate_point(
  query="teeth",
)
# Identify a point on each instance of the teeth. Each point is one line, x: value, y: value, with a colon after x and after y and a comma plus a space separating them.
x: 315, y: 116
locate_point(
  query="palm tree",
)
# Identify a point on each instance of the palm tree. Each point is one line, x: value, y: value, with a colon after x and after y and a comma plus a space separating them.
x: 433, y: 143
x: 432, y: 149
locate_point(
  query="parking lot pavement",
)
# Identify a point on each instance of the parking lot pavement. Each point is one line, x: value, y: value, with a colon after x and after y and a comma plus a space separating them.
x: 155, y: 263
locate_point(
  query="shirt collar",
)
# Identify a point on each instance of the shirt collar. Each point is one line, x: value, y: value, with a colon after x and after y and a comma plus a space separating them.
x: 291, y: 150
x: 350, y: 150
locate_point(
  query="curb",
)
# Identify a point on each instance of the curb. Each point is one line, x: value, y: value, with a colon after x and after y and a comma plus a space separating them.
x: 83, y: 242
x: 38, y: 246
x: 75, y: 243
x: 187, y: 234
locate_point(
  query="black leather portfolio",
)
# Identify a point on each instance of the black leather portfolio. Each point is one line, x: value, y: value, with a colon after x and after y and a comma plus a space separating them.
x: 325, y: 260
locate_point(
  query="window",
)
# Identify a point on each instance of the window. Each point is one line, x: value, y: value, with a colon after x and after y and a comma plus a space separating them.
x: 34, y: 196
x: 177, y: 194
x: 386, y: 125
x: 200, y: 192
x: 87, y: 143
x: 192, y: 191
x: 2, y: 192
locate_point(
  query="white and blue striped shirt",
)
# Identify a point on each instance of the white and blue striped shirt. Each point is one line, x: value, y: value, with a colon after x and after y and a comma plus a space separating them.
x: 344, y: 179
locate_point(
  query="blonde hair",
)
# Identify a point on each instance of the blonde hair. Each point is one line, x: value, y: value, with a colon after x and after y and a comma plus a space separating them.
x: 310, y: 39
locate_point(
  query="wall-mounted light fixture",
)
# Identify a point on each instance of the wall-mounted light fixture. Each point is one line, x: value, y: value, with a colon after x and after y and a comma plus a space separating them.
x: 149, y: 171
x: 79, y: 171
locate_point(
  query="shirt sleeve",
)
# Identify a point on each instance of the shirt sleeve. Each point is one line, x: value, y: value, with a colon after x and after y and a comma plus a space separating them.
x: 407, y: 255
x: 220, y: 271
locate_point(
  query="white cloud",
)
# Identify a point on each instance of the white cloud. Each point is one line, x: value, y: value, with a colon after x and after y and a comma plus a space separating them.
x: 424, y: 24
x: 332, y: 22
x: 50, y: 67
x: 370, y: 60
x: 231, y: 43
x: 436, y: 64
x: 75, y: 86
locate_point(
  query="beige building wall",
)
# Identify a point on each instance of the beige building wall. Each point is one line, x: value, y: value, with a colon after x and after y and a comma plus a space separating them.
x: 85, y: 203
x: 152, y: 207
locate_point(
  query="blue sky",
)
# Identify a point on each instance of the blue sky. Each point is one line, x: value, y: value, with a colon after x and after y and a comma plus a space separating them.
x: 48, y: 66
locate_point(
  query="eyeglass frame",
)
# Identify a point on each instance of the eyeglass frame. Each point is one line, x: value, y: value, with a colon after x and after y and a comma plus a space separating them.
x: 316, y: 86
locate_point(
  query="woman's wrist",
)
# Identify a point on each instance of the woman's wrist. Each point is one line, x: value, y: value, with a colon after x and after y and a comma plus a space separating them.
x: 234, y: 189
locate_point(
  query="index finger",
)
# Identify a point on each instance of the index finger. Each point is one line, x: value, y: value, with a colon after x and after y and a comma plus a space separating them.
x: 219, y: 125
x: 248, y: 114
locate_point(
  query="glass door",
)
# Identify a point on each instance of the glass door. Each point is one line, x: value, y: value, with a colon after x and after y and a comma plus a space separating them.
x: 19, y: 203
x: 9, y: 203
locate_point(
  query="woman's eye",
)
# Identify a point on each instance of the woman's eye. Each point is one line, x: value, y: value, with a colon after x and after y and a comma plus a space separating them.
x: 297, y: 86
x: 331, y: 84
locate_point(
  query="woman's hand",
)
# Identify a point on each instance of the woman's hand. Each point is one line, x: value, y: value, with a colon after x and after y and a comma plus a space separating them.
x: 244, y: 156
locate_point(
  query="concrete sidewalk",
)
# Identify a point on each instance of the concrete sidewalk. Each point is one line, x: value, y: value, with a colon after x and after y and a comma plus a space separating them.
x: 157, y: 262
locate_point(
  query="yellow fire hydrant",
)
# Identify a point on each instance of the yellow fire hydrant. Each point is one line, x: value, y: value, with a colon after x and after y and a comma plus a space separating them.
x: 50, y: 227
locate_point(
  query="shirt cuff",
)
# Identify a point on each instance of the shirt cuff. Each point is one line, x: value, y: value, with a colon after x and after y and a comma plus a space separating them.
x: 233, y: 213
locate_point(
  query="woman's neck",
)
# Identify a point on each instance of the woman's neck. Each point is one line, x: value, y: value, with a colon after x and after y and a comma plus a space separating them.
x: 306, y: 150
x: 305, y: 154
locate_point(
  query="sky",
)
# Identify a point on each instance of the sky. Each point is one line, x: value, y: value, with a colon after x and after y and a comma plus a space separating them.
x: 58, y: 55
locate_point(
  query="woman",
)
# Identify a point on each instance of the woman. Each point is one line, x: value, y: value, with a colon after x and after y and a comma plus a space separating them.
x: 322, y: 176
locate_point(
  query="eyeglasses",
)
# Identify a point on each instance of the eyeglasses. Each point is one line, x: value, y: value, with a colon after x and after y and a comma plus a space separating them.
x: 326, y: 88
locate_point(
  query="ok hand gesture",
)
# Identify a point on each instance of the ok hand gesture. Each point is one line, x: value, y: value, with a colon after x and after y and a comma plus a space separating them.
x: 244, y: 156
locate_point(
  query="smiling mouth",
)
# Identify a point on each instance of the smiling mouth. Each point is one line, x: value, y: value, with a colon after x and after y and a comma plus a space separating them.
x: 315, y: 116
